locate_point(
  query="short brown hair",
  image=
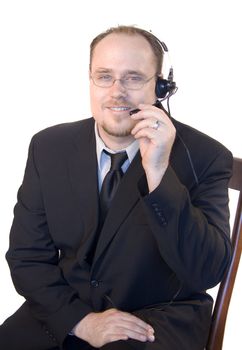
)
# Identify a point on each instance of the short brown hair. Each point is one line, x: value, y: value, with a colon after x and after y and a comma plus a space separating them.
x: 154, y: 42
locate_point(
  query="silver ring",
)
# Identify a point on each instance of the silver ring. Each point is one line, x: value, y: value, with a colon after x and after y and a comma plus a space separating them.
x: 156, y: 125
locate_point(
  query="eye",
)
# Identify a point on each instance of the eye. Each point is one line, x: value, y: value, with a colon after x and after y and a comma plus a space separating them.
x: 104, y: 77
x: 134, y: 78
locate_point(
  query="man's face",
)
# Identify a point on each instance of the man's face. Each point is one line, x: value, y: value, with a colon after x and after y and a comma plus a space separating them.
x: 119, y: 56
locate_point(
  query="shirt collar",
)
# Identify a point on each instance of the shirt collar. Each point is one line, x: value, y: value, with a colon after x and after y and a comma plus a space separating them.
x: 131, y: 150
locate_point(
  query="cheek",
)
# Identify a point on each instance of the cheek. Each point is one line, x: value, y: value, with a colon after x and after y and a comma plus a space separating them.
x: 147, y: 95
x: 150, y: 94
x: 96, y: 99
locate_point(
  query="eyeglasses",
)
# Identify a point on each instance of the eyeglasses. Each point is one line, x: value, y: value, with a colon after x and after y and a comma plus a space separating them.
x: 130, y: 82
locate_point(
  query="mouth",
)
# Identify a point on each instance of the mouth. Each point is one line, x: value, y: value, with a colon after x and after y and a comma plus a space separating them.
x: 119, y: 108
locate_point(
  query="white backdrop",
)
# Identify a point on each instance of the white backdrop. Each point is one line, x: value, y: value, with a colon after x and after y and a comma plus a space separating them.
x: 44, y: 80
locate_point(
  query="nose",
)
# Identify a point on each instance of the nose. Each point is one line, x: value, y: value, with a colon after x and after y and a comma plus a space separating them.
x: 117, y: 89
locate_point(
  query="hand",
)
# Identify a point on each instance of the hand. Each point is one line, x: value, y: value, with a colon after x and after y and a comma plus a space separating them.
x: 111, y: 325
x: 155, y: 143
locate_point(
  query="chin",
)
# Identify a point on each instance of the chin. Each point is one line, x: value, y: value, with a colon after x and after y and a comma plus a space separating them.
x: 117, y: 132
x: 117, y: 129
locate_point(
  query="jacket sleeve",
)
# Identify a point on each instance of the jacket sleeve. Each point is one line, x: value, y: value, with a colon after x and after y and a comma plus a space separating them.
x: 191, y: 227
x: 33, y: 260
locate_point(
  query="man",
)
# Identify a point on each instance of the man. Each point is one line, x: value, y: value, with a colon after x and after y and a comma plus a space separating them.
x: 130, y: 274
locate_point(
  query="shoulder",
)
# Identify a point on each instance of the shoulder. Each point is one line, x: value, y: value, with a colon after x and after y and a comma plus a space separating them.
x: 64, y: 131
x: 61, y: 139
x: 195, y: 137
x: 202, y: 152
x: 197, y: 141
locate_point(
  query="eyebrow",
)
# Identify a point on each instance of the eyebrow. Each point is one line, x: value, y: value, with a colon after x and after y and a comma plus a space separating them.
x: 103, y: 70
x: 129, y: 71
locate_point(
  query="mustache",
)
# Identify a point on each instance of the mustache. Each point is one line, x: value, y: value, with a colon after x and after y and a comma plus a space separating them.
x: 119, y: 103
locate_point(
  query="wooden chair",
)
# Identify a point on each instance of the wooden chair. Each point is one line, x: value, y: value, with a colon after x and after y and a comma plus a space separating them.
x: 216, y: 335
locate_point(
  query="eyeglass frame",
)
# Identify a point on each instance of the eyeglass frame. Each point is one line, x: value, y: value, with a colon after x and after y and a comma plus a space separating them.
x: 122, y: 81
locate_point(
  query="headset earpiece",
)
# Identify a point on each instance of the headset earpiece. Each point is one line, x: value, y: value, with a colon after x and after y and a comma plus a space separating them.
x: 161, y: 87
x: 164, y: 87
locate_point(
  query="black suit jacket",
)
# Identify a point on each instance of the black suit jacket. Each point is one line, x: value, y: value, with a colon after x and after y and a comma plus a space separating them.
x: 168, y: 245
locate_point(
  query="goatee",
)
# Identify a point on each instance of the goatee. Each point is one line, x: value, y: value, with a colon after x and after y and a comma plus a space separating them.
x: 117, y: 132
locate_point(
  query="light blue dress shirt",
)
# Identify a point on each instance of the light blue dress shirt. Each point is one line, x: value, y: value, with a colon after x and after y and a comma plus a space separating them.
x: 104, y: 161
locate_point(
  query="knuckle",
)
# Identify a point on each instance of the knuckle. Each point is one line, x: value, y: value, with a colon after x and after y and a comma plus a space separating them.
x: 111, y: 311
x: 115, y: 313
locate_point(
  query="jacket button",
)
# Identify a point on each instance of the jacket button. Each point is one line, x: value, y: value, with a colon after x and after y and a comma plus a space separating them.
x: 94, y: 283
x: 163, y: 220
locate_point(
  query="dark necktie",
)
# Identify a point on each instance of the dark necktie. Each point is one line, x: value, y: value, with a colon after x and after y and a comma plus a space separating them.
x: 111, y: 181
x: 108, y: 189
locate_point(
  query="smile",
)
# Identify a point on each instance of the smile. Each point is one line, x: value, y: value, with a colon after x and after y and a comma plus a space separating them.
x: 118, y: 109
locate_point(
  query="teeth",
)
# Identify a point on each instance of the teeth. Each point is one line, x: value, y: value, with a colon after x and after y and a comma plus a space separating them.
x: 119, y: 108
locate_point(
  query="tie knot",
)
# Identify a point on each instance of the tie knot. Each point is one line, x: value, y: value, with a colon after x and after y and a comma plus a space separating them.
x: 117, y: 159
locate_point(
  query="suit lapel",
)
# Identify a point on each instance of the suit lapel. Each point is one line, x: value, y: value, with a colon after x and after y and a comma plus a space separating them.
x: 125, y: 198
x: 83, y: 176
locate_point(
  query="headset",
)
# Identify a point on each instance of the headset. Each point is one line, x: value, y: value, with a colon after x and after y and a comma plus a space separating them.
x: 164, y: 87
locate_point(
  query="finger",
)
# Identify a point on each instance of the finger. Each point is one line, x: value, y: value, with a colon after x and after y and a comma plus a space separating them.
x: 128, y: 333
x: 121, y: 336
x: 145, y: 106
x: 122, y: 325
x: 144, y: 114
x: 137, y: 335
x: 148, y: 111
x: 147, y: 123
x: 136, y: 321
x: 134, y: 326
x: 116, y: 337
x: 129, y: 321
x: 148, y: 133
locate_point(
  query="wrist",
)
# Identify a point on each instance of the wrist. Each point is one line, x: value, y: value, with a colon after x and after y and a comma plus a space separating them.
x: 81, y: 328
x: 155, y: 176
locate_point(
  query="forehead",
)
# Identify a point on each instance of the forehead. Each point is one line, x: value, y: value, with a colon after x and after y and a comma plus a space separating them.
x: 122, y: 51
